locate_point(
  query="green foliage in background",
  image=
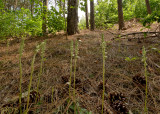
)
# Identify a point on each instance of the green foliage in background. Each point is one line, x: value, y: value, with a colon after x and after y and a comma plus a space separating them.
x: 15, y: 23
x: 7, y: 24
x: 20, y: 22
x: 55, y: 20
x: 82, y: 5
x: 155, y: 16
x: 106, y: 12
x: 82, y: 23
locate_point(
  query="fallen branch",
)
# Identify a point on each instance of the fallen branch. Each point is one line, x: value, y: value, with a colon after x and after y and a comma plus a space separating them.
x: 135, y: 33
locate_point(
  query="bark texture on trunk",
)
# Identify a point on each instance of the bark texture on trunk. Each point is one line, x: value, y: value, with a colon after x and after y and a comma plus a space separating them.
x: 92, y: 15
x: 120, y: 15
x: 148, y: 7
x: 86, y: 13
x: 72, y: 18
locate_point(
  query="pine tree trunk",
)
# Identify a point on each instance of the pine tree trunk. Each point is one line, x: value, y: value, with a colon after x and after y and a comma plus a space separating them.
x: 120, y: 15
x: 86, y: 13
x: 72, y: 18
x: 148, y: 7
x: 92, y: 15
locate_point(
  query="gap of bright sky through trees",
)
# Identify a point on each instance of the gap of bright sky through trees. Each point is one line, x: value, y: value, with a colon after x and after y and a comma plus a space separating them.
x: 81, y: 14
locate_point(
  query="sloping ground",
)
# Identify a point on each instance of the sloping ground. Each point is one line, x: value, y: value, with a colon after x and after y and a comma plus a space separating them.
x: 125, y: 82
x: 135, y: 26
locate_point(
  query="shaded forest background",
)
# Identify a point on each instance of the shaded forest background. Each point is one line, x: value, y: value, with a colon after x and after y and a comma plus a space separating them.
x: 27, y: 16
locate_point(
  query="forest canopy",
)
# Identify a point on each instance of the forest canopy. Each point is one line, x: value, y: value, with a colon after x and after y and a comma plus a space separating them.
x: 27, y: 16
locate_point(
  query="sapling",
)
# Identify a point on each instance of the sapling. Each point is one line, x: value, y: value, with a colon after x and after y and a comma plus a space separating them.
x: 144, y: 59
x: 104, y: 57
x: 31, y: 76
x: 20, y: 67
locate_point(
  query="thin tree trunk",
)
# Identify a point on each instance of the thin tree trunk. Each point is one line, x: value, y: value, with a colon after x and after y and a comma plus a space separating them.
x: 65, y: 28
x: 32, y: 5
x: 5, y: 7
x: 77, y: 19
x: 86, y: 8
x: 120, y: 15
x: 148, y: 7
x: 60, y: 5
x: 44, y: 24
x: 15, y: 5
x: 24, y: 4
x: 92, y: 15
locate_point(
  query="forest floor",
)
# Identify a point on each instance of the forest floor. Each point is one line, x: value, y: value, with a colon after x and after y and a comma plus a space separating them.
x: 124, y: 72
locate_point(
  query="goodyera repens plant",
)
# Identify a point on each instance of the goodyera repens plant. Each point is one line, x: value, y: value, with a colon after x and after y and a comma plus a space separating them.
x: 20, y: 66
x: 43, y: 47
x: 75, y: 65
x: 71, y: 62
x: 31, y: 76
x: 144, y: 59
x: 104, y: 57
x: 74, y: 72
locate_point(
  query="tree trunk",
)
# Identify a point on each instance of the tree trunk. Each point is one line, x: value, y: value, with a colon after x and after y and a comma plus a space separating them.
x: 148, y: 7
x: 44, y: 23
x: 32, y: 5
x: 92, y: 14
x: 72, y: 18
x: 15, y: 5
x: 86, y: 13
x: 120, y: 15
x: 65, y: 28
x: 23, y: 5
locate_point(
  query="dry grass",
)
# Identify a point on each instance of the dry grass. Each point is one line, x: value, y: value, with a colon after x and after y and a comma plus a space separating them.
x: 119, y: 72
